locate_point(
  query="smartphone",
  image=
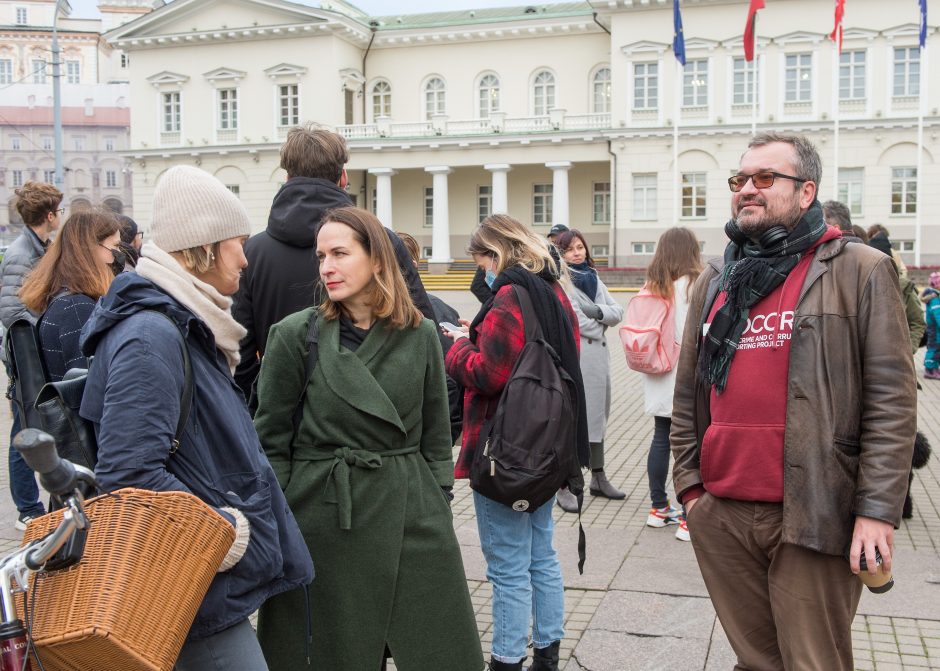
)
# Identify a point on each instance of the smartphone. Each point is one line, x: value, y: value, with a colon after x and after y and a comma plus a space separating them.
x: 447, y: 326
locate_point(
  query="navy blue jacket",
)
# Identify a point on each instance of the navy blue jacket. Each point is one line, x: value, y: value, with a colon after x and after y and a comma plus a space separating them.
x: 133, y: 397
x: 60, y: 328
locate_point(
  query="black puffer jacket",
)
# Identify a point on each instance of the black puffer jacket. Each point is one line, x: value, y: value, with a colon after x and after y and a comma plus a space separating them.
x: 282, y: 273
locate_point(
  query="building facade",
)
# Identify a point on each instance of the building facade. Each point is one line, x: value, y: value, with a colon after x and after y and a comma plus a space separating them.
x: 564, y: 113
x: 94, y: 98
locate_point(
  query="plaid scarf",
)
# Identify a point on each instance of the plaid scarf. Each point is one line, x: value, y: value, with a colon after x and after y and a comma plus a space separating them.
x: 751, y: 273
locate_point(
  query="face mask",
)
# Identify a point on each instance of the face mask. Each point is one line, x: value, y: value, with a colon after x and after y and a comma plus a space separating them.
x: 120, y: 260
x: 490, y: 278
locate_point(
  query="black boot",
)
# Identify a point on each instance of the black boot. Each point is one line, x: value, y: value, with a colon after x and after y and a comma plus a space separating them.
x: 545, y: 659
x: 505, y: 666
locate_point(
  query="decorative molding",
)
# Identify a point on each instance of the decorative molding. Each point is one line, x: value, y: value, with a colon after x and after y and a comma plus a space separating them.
x: 285, y: 70
x: 644, y: 47
x: 167, y: 78
x: 799, y: 37
x: 224, y: 75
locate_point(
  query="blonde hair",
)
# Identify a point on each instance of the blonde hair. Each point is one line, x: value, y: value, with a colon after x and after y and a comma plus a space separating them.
x: 511, y: 243
x: 388, y: 294
x: 199, y: 260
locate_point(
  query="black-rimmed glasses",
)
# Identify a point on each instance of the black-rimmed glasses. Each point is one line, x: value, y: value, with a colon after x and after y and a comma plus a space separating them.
x: 762, y: 180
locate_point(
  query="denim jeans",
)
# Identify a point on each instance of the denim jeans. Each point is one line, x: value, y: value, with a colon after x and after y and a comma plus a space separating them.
x: 657, y: 462
x: 522, y: 567
x: 234, y: 648
x: 23, y: 488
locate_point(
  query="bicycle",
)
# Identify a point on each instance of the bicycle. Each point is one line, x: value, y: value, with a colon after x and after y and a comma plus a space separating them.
x: 67, y: 483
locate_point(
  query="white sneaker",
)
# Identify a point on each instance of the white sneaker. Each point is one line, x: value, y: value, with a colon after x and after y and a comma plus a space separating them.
x: 682, y: 533
x: 660, y: 517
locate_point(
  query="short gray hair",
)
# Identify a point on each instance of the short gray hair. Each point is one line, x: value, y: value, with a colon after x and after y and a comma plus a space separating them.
x: 838, y: 215
x: 808, y: 164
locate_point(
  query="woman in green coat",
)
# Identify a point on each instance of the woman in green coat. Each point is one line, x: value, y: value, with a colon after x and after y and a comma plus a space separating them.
x: 369, y: 473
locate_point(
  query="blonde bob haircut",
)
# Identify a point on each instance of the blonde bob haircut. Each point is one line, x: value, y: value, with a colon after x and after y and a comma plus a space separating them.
x: 511, y: 243
x: 198, y: 260
x: 387, y: 294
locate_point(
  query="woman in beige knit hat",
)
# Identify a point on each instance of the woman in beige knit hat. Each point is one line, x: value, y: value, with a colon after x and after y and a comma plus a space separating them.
x: 174, y: 313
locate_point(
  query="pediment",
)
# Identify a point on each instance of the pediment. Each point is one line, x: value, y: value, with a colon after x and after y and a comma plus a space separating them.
x: 858, y: 34
x: 185, y: 17
x: 285, y: 70
x: 700, y: 44
x: 800, y: 37
x: 905, y: 30
x: 647, y: 47
x: 224, y: 74
x: 167, y: 77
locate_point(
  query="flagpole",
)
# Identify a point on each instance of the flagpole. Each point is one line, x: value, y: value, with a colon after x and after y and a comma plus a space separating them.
x: 835, y: 118
x: 754, y: 83
x: 920, y: 152
x: 675, y: 142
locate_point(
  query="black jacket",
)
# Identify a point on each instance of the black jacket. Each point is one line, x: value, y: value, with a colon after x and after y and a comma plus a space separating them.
x: 283, y: 273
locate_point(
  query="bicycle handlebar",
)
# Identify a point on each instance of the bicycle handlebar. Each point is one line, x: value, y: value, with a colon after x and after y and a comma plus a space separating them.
x: 56, y: 475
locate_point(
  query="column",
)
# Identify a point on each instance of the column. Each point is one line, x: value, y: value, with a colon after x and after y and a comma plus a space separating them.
x: 500, y: 190
x: 440, y: 234
x: 559, y: 191
x: 383, y: 194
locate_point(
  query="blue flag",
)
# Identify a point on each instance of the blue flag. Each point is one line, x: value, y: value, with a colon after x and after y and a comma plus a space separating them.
x: 678, y: 38
x: 923, y: 23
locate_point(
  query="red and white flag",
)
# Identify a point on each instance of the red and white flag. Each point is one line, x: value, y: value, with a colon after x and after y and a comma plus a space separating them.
x: 836, y: 34
x: 749, y: 29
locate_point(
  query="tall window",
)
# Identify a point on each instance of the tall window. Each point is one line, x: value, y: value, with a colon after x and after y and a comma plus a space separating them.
x: 852, y: 75
x: 171, y: 112
x: 488, y: 94
x: 228, y: 109
x: 645, y: 86
x: 17, y: 177
x: 644, y: 197
x: 903, y: 190
x: 484, y: 201
x: 288, y: 101
x: 22, y: 16
x: 542, y: 204
x: 601, y: 90
x: 109, y: 144
x: 434, y: 97
x: 695, y: 83
x: 6, y: 71
x: 850, y: 188
x: 543, y: 93
x: 907, y: 71
x: 48, y: 176
x: 381, y: 100
x: 125, y: 61
x: 110, y: 178
x: 46, y: 143
x: 73, y: 72
x: 601, y: 204
x: 15, y: 143
x: 693, y: 194
x: 744, y: 74
x: 428, y: 206
x: 78, y: 143
x: 799, y: 78
x: 39, y: 71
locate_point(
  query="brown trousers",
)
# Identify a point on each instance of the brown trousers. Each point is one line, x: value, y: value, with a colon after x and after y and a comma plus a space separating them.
x: 781, y: 605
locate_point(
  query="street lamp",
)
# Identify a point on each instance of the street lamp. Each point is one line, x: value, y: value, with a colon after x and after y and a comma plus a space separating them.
x: 57, y: 97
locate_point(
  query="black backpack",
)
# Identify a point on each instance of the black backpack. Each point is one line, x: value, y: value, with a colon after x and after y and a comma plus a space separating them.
x: 527, y: 450
x: 27, y: 370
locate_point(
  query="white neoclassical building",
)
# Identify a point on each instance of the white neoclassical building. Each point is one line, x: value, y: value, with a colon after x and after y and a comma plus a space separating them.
x: 559, y: 113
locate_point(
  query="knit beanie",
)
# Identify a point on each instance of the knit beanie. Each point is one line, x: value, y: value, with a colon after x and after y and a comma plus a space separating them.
x: 191, y: 208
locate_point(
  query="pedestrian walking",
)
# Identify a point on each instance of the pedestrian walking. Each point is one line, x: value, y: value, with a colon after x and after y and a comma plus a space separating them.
x: 676, y: 265
x: 521, y: 563
x: 367, y: 469
x: 596, y: 311
x: 67, y: 281
x: 793, y: 417
x: 930, y: 297
x: 177, y: 305
x: 39, y: 205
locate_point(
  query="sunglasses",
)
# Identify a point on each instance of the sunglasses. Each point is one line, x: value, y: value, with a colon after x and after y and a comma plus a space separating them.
x: 761, y: 180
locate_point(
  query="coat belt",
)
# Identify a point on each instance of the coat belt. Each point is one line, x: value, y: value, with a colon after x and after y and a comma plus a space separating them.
x: 344, y: 459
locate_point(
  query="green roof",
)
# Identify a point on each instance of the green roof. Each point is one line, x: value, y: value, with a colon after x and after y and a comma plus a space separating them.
x: 483, y: 15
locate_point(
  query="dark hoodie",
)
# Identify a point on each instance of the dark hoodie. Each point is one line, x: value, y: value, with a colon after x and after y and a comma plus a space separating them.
x: 282, y: 273
x: 132, y: 395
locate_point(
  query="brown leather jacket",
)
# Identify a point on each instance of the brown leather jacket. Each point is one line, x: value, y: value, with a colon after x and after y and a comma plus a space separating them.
x: 851, y: 401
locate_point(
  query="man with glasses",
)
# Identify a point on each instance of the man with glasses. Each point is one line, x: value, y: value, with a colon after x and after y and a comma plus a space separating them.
x: 794, y: 416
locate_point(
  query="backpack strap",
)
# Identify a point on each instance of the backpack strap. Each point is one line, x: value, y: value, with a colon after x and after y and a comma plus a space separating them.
x: 186, y: 399
x: 311, y: 343
x: 530, y: 321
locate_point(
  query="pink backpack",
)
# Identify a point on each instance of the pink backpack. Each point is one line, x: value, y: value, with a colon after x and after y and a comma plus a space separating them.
x: 649, y: 334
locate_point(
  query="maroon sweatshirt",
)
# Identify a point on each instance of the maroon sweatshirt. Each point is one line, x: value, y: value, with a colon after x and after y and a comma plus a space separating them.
x: 741, y: 455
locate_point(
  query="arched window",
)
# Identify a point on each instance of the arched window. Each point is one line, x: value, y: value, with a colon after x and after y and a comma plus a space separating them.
x: 434, y: 92
x: 114, y: 205
x: 601, y: 90
x: 381, y: 100
x: 488, y: 95
x: 543, y: 93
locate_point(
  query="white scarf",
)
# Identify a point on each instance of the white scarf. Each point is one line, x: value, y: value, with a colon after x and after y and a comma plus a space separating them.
x: 203, y: 300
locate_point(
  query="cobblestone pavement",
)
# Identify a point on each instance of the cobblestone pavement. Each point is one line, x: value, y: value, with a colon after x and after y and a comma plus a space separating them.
x: 641, y: 603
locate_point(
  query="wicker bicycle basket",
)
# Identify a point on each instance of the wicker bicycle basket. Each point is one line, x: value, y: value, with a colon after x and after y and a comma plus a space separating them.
x: 129, y: 603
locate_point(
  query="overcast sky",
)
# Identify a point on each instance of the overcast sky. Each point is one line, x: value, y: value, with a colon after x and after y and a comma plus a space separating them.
x: 88, y: 8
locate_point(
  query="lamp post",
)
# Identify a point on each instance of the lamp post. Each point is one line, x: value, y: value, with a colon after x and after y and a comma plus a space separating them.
x: 57, y: 99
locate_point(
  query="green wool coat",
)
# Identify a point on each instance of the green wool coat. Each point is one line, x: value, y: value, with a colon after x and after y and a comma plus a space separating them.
x: 363, y: 478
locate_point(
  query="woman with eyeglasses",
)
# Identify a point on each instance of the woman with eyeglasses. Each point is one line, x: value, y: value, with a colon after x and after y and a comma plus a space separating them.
x: 63, y: 287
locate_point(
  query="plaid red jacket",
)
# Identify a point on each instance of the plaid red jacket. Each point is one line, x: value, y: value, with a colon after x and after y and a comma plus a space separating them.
x: 484, y: 368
